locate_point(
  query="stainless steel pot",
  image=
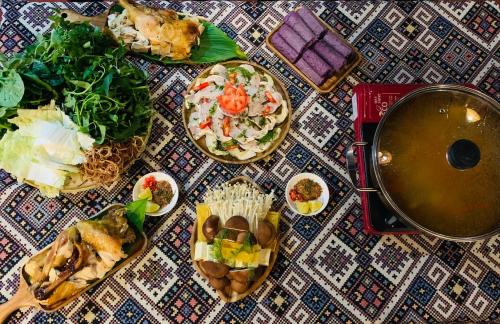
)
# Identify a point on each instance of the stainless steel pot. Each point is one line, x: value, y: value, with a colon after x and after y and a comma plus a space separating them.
x: 435, y: 160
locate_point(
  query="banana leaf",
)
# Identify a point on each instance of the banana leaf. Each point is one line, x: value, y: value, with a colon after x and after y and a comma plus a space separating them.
x: 215, y: 46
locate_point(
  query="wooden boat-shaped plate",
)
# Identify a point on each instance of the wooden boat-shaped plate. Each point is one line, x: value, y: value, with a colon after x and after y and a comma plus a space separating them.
x: 25, y: 298
x: 330, y: 83
x: 285, y: 126
x: 256, y: 284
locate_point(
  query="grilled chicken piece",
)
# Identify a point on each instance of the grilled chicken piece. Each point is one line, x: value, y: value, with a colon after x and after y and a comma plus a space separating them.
x: 73, y: 264
x: 167, y: 34
x: 65, y: 290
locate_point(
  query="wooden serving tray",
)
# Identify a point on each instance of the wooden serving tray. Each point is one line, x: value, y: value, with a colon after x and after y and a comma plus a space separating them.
x: 285, y: 125
x: 256, y: 284
x: 25, y: 298
x: 330, y: 83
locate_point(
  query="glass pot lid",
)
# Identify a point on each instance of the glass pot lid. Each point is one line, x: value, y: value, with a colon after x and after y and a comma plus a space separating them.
x: 438, y: 160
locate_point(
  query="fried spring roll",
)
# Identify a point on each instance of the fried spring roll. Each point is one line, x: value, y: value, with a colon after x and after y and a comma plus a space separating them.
x: 312, y: 22
x: 335, y: 42
x: 309, y: 72
x: 296, y: 23
x: 319, y: 65
x: 331, y: 56
x: 283, y: 47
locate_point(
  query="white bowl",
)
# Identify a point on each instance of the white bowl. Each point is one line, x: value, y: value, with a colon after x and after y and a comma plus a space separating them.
x: 159, y: 176
x: 325, y: 193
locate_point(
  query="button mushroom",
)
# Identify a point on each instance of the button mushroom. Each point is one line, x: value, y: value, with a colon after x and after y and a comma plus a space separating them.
x: 265, y: 233
x: 241, y: 275
x: 211, y: 228
x: 239, y: 287
x: 238, y: 223
x: 214, y: 269
x: 246, y: 236
x: 218, y: 283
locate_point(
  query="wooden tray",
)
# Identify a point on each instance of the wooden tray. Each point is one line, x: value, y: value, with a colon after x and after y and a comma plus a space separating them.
x: 330, y: 83
x: 285, y: 126
x: 25, y: 298
x: 256, y: 284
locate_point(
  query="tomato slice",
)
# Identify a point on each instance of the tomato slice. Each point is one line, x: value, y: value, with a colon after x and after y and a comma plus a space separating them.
x: 234, y: 100
x: 293, y: 195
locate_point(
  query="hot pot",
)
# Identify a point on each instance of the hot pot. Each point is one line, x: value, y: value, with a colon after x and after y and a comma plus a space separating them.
x: 435, y: 160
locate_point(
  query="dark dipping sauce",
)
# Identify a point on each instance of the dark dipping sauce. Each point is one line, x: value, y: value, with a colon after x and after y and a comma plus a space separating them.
x: 308, y: 189
x: 163, y: 194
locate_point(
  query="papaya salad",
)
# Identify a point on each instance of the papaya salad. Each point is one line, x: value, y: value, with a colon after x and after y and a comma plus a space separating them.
x: 237, y: 109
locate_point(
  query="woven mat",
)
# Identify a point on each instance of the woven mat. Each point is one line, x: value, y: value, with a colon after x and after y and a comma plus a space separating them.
x: 328, y: 269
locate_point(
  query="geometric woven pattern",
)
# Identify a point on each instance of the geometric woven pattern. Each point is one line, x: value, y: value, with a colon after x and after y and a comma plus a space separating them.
x: 328, y: 268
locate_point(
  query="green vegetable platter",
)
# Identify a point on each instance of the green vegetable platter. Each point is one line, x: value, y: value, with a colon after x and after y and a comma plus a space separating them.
x: 70, y: 106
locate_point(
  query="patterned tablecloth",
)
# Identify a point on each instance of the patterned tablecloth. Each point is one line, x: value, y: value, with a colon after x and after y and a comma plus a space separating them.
x: 328, y: 269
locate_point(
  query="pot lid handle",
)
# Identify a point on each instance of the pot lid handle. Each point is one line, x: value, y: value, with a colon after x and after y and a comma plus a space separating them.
x: 351, y: 167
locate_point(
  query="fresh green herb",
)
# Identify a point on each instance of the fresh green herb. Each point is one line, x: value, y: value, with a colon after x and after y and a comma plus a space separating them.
x: 104, y: 94
x: 243, y: 134
x: 219, y: 146
x: 136, y: 213
x: 244, y: 72
x: 219, y: 87
x: 268, y: 137
x: 230, y: 143
x: 212, y: 109
x: 11, y: 88
x: 247, y: 245
x: 218, y: 244
x: 262, y: 121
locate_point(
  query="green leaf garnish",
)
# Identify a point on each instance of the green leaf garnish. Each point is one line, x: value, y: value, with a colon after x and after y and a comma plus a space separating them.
x: 136, y: 213
x: 215, y: 46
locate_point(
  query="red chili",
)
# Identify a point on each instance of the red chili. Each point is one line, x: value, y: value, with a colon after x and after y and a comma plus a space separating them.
x: 266, y: 111
x: 202, y: 85
x: 206, y: 123
x: 226, y: 126
x: 232, y: 147
x: 150, y: 182
x: 269, y: 97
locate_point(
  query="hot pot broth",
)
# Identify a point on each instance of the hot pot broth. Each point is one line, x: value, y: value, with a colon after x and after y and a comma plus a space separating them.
x: 419, y: 177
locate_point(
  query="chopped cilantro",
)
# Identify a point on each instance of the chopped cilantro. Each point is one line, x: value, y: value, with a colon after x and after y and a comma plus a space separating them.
x: 244, y: 72
x: 212, y: 109
x: 262, y: 121
x: 243, y: 133
x: 268, y: 137
x: 229, y: 143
